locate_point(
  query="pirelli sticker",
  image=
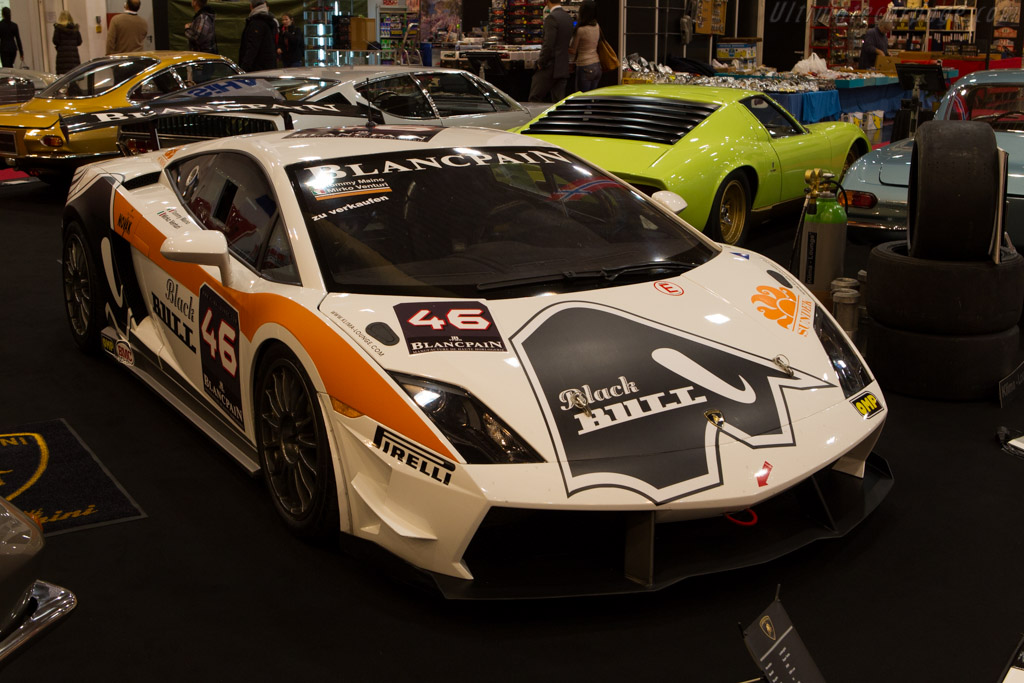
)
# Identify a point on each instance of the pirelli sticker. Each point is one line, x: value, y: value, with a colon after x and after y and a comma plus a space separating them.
x: 868, y: 405
x: 448, y: 326
x: 406, y: 452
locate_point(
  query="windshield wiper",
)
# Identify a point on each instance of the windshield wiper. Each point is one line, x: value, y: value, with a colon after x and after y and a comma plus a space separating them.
x: 606, y: 274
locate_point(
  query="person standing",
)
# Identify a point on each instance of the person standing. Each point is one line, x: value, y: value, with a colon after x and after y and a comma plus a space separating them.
x: 66, y: 38
x: 10, y: 40
x: 201, y: 31
x: 875, y: 43
x: 289, y: 43
x: 584, y: 47
x: 257, y: 50
x: 548, y: 84
x: 127, y: 32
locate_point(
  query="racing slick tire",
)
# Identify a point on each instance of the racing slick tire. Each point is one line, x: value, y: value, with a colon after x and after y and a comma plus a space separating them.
x: 294, y: 450
x: 943, y: 367
x: 944, y: 297
x: 83, y: 294
x: 954, y: 191
x: 730, y: 218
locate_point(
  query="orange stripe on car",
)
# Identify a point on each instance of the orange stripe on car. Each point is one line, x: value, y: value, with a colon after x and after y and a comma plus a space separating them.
x: 346, y: 375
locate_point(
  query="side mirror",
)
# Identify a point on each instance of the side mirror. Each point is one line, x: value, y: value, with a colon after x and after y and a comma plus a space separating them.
x: 670, y: 200
x: 202, y: 247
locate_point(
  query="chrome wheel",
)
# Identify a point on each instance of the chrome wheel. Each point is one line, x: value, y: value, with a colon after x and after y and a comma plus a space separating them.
x: 289, y: 440
x: 732, y: 214
x: 77, y: 285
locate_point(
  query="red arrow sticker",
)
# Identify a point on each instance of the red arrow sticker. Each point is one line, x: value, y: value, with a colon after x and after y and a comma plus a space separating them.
x: 762, y: 474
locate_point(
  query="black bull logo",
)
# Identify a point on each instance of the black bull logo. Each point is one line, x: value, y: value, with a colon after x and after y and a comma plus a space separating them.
x: 627, y: 399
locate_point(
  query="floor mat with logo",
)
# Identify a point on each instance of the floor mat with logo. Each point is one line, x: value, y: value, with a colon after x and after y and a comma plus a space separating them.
x: 48, y: 472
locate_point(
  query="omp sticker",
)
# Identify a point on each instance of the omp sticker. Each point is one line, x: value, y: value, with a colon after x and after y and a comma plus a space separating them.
x: 625, y: 399
x: 790, y: 310
x: 404, y: 451
x: 220, y: 337
x: 868, y: 405
x: 448, y: 326
x: 581, y: 188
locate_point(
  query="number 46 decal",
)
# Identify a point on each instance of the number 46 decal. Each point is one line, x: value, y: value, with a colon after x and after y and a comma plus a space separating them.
x: 223, y: 342
x: 459, y: 318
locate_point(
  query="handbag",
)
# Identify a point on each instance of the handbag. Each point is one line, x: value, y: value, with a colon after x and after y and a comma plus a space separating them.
x: 606, y: 53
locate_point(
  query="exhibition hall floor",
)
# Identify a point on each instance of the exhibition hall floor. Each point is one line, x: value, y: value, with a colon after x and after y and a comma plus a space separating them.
x: 209, y: 585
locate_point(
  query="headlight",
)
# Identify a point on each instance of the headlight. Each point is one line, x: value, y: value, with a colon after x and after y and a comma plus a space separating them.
x: 853, y: 376
x: 478, y: 434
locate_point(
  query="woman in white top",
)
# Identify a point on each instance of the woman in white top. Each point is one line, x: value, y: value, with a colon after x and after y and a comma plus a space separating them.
x: 584, y: 47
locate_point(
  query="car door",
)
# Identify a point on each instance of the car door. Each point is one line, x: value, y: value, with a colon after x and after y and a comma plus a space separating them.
x: 464, y: 100
x: 796, y: 149
x: 401, y: 99
x: 230, y: 193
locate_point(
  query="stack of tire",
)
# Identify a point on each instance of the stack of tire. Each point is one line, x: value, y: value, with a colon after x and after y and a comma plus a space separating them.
x: 943, y: 313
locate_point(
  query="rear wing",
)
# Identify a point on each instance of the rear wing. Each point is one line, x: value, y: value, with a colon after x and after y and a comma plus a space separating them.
x: 143, y: 119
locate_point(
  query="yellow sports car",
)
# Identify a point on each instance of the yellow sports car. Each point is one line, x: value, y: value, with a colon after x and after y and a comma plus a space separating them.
x: 31, y: 138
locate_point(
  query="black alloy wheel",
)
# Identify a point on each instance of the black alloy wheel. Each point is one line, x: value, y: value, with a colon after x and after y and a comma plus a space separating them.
x: 83, y: 302
x: 293, y: 447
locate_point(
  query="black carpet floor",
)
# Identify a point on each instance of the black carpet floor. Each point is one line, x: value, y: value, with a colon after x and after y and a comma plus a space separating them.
x: 210, y: 586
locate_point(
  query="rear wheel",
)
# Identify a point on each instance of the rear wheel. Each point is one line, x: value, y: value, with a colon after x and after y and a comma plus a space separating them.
x: 83, y: 300
x: 730, y: 214
x: 293, y: 447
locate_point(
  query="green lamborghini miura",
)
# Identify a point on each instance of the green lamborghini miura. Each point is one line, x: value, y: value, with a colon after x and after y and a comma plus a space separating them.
x: 731, y: 154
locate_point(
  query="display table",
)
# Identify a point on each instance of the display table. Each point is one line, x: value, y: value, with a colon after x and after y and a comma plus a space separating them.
x: 810, y: 107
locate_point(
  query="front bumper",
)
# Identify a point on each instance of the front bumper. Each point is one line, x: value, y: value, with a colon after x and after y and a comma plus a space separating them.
x: 521, y: 553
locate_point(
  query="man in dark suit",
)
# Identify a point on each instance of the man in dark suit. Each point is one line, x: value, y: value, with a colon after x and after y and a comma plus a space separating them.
x: 548, y: 84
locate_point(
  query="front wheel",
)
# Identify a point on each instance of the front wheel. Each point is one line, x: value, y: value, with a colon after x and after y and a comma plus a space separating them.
x: 730, y: 214
x: 293, y: 447
x: 83, y: 300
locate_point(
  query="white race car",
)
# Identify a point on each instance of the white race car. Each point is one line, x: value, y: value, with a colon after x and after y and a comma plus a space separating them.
x: 478, y: 352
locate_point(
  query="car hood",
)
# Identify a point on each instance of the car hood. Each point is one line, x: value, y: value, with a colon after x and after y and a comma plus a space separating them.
x: 701, y: 341
x: 892, y: 162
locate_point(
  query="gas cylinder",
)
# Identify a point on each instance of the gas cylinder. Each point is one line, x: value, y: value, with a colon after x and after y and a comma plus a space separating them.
x: 823, y: 239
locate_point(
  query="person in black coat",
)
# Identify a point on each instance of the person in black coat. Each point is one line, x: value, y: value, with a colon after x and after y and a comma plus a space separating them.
x: 548, y: 84
x: 66, y: 38
x: 289, y: 43
x: 257, y: 50
x: 10, y: 40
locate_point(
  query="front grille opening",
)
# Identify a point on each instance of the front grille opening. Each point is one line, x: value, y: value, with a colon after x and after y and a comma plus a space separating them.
x: 177, y: 130
x: 647, y: 119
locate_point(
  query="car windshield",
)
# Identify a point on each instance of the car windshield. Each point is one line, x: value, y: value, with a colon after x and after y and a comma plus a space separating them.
x: 97, y: 77
x: 282, y: 88
x: 1000, y: 105
x: 503, y: 221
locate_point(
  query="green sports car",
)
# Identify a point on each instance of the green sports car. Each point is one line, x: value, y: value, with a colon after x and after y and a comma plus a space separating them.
x: 731, y: 154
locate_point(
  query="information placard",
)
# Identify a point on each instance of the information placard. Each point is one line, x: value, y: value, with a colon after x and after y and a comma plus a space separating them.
x: 778, y: 650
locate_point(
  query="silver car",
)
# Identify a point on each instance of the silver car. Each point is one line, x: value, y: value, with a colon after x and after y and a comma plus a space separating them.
x: 409, y: 94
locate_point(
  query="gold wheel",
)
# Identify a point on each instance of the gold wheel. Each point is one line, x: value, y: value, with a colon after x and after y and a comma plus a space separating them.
x: 732, y: 211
